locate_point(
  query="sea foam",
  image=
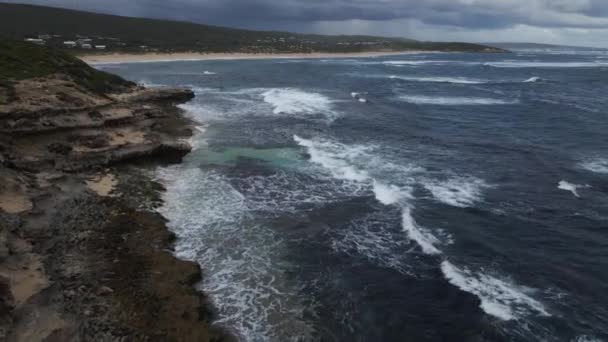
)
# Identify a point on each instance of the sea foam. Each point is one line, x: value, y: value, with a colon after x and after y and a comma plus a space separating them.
x: 461, y: 80
x: 453, y: 101
x: 499, y: 298
x: 211, y: 220
x: 573, y: 188
x: 599, y: 165
x: 421, y: 235
x: 295, y: 101
x: 517, y: 64
x: 458, y: 191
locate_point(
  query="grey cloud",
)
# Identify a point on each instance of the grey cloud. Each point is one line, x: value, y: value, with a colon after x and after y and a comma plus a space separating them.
x: 556, y: 20
x: 460, y: 13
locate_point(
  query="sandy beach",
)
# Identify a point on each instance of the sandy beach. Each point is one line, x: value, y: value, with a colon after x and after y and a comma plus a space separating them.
x: 195, y: 56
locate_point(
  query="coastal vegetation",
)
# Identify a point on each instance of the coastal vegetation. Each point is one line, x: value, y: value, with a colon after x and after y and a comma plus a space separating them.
x: 20, y: 60
x: 84, y: 32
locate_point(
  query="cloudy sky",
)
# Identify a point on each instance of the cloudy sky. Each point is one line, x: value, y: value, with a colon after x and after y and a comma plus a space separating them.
x: 577, y: 22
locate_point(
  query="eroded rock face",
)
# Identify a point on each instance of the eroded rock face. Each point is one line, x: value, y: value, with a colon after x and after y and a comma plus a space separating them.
x: 82, y: 255
x: 54, y: 123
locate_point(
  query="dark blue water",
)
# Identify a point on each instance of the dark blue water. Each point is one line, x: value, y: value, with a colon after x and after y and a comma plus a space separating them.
x: 437, y: 197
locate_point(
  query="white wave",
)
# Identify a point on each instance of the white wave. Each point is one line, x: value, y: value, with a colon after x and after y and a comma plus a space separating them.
x: 596, y: 165
x: 337, y: 158
x: 209, y: 73
x: 461, y: 80
x: 515, y: 64
x: 573, y: 188
x: 213, y: 224
x: 533, y: 79
x: 220, y: 104
x: 416, y: 63
x: 421, y: 235
x: 453, y: 101
x: 295, y: 101
x: 334, y: 157
x: 357, y: 96
x: 499, y: 298
x: 390, y: 194
x: 458, y: 191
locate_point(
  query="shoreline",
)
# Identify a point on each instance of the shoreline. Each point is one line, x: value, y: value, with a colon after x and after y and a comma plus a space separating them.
x: 84, y: 254
x: 120, y: 58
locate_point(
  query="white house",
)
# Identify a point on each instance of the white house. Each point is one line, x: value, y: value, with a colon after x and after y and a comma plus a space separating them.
x: 36, y: 41
x: 100, y: 47
x: 86, y: 46
x: 69, y: 43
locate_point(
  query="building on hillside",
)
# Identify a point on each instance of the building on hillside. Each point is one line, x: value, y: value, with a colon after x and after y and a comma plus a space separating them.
x: 35, y: 41
x: 100, y: 47
x: 69, y: 44
x: 86, y: 46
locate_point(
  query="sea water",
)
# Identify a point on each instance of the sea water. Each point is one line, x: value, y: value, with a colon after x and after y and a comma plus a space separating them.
x: 432, y: 197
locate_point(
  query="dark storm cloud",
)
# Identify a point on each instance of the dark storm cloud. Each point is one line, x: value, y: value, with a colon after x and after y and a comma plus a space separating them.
x: 469, y: 14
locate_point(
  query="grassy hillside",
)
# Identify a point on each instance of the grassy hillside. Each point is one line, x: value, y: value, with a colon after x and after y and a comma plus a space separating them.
x: 141, y: 35
x: 20, y: 60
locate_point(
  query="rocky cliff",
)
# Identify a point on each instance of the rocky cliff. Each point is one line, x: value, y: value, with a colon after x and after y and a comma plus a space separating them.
x: 83, y: 254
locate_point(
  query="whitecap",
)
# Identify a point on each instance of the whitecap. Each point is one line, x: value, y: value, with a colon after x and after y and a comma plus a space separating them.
x: 499, y: 298
x: 514, y: 64
x: 425, y: 239
x: 596, y: 165
x: 295, y: 101
x: 461, y: 80
x: 573, y: 188
x: 533, y: 79
x: 209, y: 73
x: 458, y: 191
x: 416, y: 63
x: 335, y: 158
x: 453, y: 101
x: 390, y: 194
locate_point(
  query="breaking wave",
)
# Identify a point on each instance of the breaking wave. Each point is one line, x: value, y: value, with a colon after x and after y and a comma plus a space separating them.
x: 458, y: 191
x: 515, y: 64
x: 212, y: 222
x: 453, y: 101
x: 596, y: 165
x: 461, y: 80
x: 573, y: 188
x: 499, y: 298
x: 259, y: 102
x: 295, y: 101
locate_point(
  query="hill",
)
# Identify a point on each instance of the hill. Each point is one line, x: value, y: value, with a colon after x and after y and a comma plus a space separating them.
x: 20, y: 60
x: 91, y: 31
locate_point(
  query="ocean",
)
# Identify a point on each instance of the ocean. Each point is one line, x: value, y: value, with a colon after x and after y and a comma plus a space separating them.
x: 431, y: 197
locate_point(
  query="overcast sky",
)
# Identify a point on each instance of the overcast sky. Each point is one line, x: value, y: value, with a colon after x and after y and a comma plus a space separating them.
x: 576, y: 22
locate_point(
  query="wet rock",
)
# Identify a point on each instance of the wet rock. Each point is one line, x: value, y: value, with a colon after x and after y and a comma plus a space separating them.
x: 59, y: 148
x: 104, y: 291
